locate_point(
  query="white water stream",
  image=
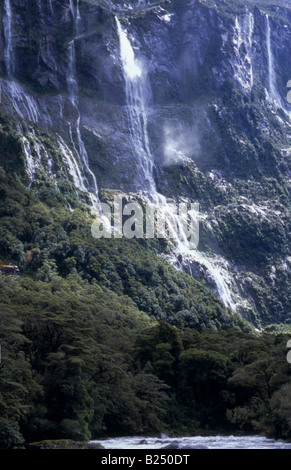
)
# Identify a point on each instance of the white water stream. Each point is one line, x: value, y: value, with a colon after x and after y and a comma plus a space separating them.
x: 51, y: 6
x: 273, y: 90
x: 89, y: 181
x: 26, y: 107
x: 198, y: 442
x: 137, y: 96
x: 7, y: 24
x: 244, y: 29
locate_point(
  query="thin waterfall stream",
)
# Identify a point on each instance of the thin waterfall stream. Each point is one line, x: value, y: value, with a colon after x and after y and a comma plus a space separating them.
x: 7, y: 22
x: 271, y: 70
x: 89, y: 181
x: 26, y: 107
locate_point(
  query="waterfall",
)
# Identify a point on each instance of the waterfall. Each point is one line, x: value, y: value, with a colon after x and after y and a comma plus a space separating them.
x: 78, y: 18
x: 251, y: 26
x: 136, y: 87
x: 29, y: 160
x: 35, y: 151
x: 72, y: 10
x: 38, y: 150
x: 74, y: 169
x: 51, y: 6
x: 136, y: 96
x: 23, y: 104
x: 71, y: 77
x: 217, y: 271
x: 244, y: 28
x: 73, y: 90
x: 271, y: 70
x: 7, y: 24
x: 26, y: 107
x: 33, y: 154
x: 239, y: 33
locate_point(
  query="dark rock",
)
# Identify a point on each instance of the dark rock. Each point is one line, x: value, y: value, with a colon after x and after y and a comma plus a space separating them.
x: 172, y: 445
x: 142, y: 442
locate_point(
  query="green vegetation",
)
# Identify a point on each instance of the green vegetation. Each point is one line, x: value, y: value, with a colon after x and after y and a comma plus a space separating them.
x: 102, y: 337
x: 44, y: 239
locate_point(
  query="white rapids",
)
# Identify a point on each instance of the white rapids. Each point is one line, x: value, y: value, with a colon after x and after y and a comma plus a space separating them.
x: 198, y: 442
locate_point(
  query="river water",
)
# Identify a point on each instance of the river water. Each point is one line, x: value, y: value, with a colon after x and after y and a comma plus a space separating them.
x: 197, y: 442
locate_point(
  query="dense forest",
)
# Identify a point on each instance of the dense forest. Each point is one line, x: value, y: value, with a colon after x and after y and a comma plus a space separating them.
x: 103, y: 337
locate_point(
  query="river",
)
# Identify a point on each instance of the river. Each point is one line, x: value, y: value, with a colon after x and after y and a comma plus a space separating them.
x: 197, y: 442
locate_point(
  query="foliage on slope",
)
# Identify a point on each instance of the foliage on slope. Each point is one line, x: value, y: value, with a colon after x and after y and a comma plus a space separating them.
x: 86, y: 350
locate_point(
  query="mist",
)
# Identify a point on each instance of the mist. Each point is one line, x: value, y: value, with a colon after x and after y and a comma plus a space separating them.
x: 181, y: 142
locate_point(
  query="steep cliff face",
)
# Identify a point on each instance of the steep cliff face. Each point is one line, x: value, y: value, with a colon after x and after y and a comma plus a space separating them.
x: 172, y: 99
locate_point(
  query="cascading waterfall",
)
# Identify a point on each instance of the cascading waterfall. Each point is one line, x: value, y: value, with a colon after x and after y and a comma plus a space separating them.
x: 136, y: 94
x: 29, y: 160
x: 73, y: 90
x: 51, y: 6
x: 33, y: 150
x: 71, y: 77
x: 271, y: 70
x: 239, y: 33
x: 78, y: 17
x: 219, y: 273
x: 72, y: 165
x: 244, y: 28
x: 26, y: 107
x: 23, y: 104
x: 72, y: 10
x: 7, y: 23
x: 38, y: 150
x: 48, y: 159
x: 251, y: 26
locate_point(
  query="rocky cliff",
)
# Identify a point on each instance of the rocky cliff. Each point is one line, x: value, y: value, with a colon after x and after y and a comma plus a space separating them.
x: 172, y: 99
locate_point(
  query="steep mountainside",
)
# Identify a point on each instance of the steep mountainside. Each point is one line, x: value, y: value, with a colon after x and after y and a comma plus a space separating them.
x: 167, y: 100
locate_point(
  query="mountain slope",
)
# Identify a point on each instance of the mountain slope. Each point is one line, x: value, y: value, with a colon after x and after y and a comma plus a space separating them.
x: 212, y: 119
